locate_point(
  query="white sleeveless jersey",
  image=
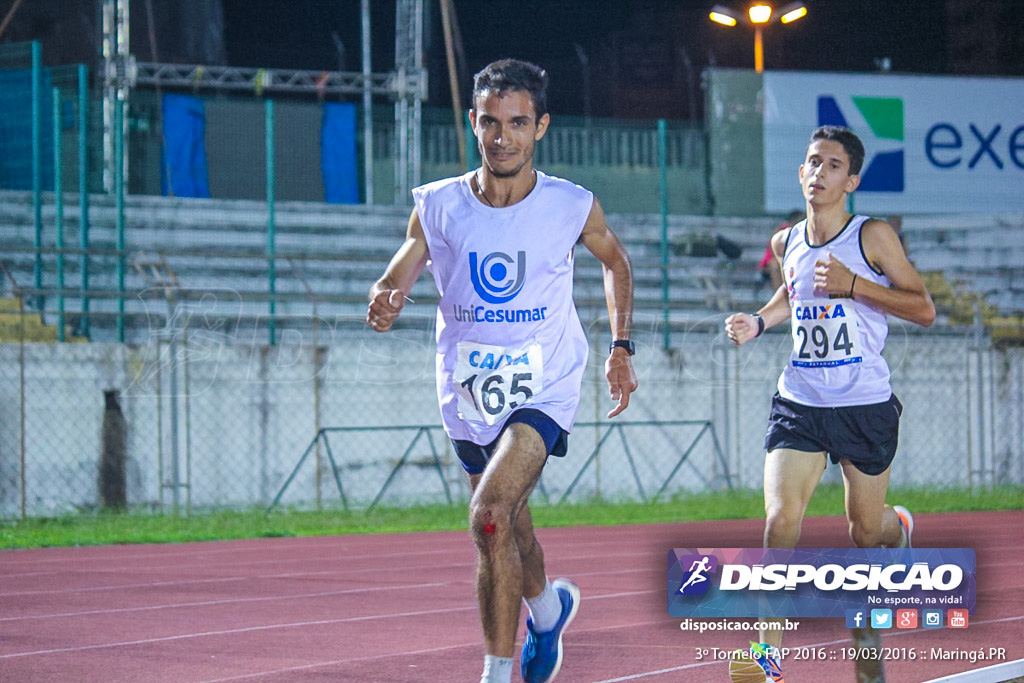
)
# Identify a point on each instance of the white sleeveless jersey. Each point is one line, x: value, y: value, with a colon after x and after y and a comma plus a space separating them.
x: 837, y: 342
x: 507, y: 330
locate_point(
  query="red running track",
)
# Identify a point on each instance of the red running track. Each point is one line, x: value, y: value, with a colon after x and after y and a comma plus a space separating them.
x: 400, y: 608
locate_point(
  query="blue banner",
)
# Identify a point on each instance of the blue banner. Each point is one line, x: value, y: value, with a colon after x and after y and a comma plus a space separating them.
x: 817, y: 582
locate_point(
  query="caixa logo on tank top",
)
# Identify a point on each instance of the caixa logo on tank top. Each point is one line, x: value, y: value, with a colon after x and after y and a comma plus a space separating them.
x: 497, y: 278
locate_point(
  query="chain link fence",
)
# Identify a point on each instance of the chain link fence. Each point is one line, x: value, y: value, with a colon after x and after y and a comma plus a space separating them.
x: 214, y: 419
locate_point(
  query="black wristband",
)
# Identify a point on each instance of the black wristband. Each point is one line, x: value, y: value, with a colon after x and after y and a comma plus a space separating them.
x: 760, y: 324
x: 626, y: 344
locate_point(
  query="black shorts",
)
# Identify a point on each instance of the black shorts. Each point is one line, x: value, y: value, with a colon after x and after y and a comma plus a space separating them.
x: 474, y: 457
x: 865, y: 435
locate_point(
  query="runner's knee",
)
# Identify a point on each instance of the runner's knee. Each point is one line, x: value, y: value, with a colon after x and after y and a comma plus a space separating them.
x: 783, y: 521
x: 864, y: 536
x: 488, y: 521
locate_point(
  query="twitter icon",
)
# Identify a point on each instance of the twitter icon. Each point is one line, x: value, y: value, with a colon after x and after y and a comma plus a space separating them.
x: 881, y: 618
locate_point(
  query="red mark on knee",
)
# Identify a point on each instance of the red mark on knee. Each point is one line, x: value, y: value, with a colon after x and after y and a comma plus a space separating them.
x: 489, y: 528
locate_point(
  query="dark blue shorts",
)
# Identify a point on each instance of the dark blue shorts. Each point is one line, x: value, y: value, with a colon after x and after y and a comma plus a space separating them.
x: 865, y: 435
x: 474, y: 457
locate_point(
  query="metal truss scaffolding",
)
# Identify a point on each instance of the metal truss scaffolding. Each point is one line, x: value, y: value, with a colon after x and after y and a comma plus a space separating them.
x: 264, y: 80
x: 116, y: 61
x: 406, y: 86
x: 408, y: 107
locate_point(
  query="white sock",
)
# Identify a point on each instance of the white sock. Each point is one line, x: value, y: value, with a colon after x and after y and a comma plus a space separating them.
x: 545, y: 609
x: 497, y: 669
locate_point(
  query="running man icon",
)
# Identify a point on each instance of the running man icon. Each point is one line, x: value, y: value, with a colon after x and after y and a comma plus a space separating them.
x: 697, y: 571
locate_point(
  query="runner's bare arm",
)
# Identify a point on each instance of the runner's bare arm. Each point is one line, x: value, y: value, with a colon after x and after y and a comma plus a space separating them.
x: 742, y: 327
x: 599, y: 239
x: 389, y: 293
x: 906, y: 298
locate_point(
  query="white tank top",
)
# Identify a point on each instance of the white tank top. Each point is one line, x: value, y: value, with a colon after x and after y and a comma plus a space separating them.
x: 837, y: 342
x: 507, y: 330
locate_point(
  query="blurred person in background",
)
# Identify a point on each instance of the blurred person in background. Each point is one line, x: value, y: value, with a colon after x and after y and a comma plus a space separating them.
x: 769, y: 267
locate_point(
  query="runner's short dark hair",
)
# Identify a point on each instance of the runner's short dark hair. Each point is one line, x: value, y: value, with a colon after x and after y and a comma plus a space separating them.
x: 852, y: 145
x: 509, y: 75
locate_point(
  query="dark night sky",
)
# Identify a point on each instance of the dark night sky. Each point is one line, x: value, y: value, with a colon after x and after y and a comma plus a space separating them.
x: 643, y: 55
x: 836, y: 35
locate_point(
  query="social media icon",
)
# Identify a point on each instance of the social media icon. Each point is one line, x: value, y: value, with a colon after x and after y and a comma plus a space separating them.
x: 881, y: 618
x: 957, y: 618
x: 906, y: 618
x: 856, y: 618
x: 931, y: 618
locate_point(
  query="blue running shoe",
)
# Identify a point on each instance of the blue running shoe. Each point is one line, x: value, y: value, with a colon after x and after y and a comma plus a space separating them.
x: 542, y: 652
x: 769, y: 658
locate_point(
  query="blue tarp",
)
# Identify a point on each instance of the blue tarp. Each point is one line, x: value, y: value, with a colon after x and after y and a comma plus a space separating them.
x: 16, y: 130
x: 183, y: 171
x: 338, y: 138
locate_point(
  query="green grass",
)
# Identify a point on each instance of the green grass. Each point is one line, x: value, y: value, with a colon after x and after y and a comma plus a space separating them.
x: 134, y: 527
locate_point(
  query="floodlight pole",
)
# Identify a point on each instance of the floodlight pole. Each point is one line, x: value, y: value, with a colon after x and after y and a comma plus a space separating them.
x: 758, y: 50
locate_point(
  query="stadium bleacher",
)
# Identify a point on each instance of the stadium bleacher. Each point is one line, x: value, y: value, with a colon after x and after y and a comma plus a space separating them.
x: 983, y: 254
x: 327, y: 256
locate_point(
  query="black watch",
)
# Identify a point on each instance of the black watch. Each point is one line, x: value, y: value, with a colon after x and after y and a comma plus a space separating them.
x: 623, y: 344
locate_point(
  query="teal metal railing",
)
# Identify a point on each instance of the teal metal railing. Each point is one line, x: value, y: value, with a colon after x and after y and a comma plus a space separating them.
x: 705, y: 429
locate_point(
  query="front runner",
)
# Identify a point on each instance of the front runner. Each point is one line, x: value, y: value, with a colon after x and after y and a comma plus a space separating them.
x: 842, y: 275
x: 511, y: 351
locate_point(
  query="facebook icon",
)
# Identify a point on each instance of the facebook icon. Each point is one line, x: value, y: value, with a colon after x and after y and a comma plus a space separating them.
x: 856, y: 618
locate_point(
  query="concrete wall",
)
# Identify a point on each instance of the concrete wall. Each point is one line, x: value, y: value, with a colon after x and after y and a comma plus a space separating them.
x: 228, y: 420
x: 735, y: 142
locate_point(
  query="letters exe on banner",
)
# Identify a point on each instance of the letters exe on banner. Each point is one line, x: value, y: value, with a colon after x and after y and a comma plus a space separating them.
x: 935, y: 144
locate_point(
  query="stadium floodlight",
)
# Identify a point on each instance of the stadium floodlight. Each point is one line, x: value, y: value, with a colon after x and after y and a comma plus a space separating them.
x: 723, y: 15
x: 792, y: 12
x: 758, y: 15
